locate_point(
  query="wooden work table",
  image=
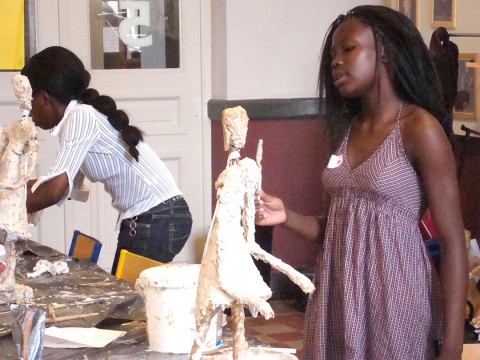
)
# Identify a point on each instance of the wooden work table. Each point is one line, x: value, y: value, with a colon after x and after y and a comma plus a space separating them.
x: 87, y: 296
x: 94, y: 298
x: 100, y: 300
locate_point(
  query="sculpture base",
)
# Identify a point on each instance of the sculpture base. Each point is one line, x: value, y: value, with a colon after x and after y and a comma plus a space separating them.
x: 252, y: 353
x: 18, y: 294
x: 7, y: 296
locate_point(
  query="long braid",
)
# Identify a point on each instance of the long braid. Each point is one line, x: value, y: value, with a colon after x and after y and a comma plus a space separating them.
x: 131, y: 135
x: 59, y: 72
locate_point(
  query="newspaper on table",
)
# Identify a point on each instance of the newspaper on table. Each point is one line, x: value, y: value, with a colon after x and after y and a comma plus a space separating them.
x: 78, y: 337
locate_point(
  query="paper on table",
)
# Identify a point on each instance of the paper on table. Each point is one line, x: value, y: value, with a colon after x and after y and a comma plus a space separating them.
x: 77, y: 337
x: 474, y: 250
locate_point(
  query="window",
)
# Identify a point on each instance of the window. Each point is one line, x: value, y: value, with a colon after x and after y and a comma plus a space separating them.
x: 134, y: 34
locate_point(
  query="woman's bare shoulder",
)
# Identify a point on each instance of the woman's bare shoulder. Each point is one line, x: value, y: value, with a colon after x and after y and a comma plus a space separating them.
x: 421, y: 132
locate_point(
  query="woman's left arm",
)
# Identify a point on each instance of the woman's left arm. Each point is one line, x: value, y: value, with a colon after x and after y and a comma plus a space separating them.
x: 79, y: 132
x: 47, y: 194
x: 431, y: 153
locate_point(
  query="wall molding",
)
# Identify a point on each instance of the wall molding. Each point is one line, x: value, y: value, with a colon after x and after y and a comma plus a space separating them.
x: 267, y: 108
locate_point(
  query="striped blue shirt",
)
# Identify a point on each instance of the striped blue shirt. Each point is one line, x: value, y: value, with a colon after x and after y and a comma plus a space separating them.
x: 91, y: 147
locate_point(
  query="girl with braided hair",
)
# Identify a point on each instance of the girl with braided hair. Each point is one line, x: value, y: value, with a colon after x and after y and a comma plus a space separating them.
x: 97, y: 142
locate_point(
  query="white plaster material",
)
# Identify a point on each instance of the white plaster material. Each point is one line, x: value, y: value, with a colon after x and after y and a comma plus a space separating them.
x: 23, y: 294
x: 252, y: 353
x: 228, y: 275
x: 43, y: 266
x: 18, y: 151
x: 23, y: 93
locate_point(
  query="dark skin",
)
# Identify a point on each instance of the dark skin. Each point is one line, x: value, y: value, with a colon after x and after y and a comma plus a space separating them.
x: 46, y: 113
x: 426, y: 147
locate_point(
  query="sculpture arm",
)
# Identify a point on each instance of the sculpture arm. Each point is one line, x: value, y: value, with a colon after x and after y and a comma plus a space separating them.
x: 298, y: 278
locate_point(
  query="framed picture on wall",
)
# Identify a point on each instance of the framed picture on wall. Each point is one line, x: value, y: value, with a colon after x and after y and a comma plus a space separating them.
x: 466, y: 102
x: 443, y: 13
x: 409, y: 8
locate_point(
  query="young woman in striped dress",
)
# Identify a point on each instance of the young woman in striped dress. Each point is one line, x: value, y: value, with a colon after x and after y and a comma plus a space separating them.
x: 97, y: 142
x: 377, y: 293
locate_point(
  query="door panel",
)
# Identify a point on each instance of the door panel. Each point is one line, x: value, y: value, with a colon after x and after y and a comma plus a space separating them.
x: 165, y: 103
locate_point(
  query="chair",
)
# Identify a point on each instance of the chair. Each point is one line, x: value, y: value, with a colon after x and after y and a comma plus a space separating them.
x: 84, y: 247
x: 130, y: 265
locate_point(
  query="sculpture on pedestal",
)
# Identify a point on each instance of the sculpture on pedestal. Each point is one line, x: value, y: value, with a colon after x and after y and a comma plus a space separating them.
x: 228, y: 276
x: 18, y: 151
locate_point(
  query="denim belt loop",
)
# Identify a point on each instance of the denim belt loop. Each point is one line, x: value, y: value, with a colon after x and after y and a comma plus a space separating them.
x: 172, y: 199
x: 132, y: 222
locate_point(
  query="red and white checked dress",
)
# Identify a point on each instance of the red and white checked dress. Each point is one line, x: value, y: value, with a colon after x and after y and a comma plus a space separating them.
x: 377, y: 292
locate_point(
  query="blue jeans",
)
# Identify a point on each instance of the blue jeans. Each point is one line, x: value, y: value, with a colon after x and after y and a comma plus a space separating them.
x: 159, y: 233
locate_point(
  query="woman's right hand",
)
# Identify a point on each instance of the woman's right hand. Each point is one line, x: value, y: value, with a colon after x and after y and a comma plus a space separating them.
x: 269, y: 210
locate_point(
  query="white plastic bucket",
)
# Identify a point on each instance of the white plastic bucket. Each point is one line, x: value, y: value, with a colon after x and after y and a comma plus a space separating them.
x: 170, y: 294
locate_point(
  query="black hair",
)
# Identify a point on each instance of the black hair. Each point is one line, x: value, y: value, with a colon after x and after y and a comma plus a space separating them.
x: 60, y: 73
x: 413, y: 72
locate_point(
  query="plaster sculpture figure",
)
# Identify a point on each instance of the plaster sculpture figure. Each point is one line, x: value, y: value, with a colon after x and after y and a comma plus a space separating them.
x: 445, y: 57
x: 228, y: 275
x: 473, y: 294
x: 18, y: 150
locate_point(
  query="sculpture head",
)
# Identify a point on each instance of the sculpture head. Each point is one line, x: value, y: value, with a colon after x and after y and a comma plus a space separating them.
x: 23, y: 93
x: 235, y: 126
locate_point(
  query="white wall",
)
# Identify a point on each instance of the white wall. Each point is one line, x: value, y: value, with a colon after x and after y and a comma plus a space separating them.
x: 271, y: 48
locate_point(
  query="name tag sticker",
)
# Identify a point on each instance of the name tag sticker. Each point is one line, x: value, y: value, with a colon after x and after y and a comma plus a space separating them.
x: 335, y: 161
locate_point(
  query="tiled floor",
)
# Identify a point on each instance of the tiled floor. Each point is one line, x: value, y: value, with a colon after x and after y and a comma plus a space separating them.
x: 285, y: 330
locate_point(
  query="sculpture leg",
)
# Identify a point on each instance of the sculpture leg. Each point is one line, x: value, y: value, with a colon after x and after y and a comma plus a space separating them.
x: 11, y: 261
x: 203, y: 324
x: 7, y: 278
x: 238, y: 326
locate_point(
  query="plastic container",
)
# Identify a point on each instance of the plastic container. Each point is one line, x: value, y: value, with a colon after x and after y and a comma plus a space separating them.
x: 170, y: 294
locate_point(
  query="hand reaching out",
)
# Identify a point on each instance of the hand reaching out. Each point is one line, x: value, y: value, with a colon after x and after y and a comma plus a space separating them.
x: 269, y: 210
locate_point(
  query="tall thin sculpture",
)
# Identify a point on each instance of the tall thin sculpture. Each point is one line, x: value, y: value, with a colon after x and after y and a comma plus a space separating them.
x: 228, y: 275
x: 445, y: 56
x: 18, y: 151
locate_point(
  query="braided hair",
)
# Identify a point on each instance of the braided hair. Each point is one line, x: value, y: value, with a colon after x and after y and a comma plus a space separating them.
x: 414, y: 76
x: 60, y: 73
